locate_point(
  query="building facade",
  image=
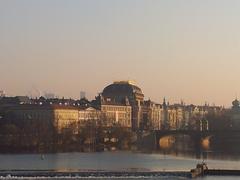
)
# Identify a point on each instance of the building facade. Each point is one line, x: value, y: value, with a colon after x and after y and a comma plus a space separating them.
x: 121, y: 91
x: 58, y: 117
x: 89, y: 114
x: 117, y: 114
x: 151, y: 116
x: 234, y: 115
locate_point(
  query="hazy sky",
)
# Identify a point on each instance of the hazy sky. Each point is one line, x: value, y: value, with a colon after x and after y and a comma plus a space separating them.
x: 180, y: 49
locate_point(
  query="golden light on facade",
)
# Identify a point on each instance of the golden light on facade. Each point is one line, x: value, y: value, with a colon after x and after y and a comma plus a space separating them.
x: 125, y: 82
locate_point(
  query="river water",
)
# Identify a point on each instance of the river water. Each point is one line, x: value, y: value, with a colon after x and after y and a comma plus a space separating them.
x: 111, y: 161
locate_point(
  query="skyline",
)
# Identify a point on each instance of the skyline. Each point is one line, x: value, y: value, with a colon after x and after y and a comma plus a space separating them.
x: 83, y: 94
x: 178, y: 50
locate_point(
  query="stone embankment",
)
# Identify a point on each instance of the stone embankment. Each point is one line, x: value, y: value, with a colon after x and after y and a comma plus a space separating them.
x: 93, y: 174
x: 200, y: 170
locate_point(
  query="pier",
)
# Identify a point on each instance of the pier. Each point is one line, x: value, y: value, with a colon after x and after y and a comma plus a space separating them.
x: 202, y: 170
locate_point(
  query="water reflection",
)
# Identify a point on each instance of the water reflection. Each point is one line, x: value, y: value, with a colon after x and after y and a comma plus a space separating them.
x: 166, y: 142
x: 205, y: 143
x: 120, y: 161
x: 172, y: 142
x: 207, y: 148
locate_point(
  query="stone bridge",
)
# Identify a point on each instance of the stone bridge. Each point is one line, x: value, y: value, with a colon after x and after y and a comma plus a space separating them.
x: 195, y: 135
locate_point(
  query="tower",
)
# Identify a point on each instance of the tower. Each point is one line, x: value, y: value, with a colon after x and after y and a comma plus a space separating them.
x: 165, y: 115
x: 82, y: 94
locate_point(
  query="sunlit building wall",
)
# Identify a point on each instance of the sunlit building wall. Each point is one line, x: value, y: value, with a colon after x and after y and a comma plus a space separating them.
x: 59, y: 117
x: 151, y: 115
x: 89, y: 114
x: 117, y: 114
x: 119, y: 92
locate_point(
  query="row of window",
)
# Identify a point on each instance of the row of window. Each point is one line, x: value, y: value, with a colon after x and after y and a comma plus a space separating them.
x: 114, y: 108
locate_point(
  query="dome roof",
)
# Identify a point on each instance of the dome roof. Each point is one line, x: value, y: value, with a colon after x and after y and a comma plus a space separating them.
x: 119, y: 91
x: 235, y: 103
x: 121, y: 88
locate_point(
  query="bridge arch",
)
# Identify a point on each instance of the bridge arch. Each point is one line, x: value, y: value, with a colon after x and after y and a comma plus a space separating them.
x: 194, y: 139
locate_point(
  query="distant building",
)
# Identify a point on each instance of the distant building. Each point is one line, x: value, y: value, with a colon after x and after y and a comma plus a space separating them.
x: 89, y: 114
x: 120, y: 103
x: 165, y: 118
x: 117, y: 114
x: 83, y: 103
x: 151, y: 116
x: 82, y: 94
x: 54, y: 101
x: 49, y: 95
x: 59, y: 117
x: 234, y: 114
x: 172, y: 116
x: 15, y: 100
x: 2, y: 93
x: 119, y: 91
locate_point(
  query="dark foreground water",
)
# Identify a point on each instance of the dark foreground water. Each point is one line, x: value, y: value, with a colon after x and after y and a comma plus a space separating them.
x: 112, y: 161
